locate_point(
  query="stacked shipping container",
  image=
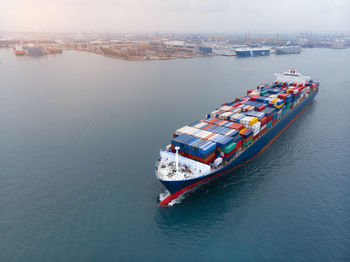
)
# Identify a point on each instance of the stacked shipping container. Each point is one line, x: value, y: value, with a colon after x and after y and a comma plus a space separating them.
x: 235, y: 125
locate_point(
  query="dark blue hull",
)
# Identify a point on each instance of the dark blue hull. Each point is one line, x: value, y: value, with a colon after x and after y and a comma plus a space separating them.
x: 243, y: 53
x: 261, y: 52
x: 252, y: 151
x: 253, y: 52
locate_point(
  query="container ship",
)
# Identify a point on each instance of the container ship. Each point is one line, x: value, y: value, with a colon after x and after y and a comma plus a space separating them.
x: 281, y: 50
x: 252, y: 51
x: 233, y: 134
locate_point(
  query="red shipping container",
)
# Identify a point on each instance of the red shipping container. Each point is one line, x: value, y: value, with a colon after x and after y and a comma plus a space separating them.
x: 263, y: 120
x: 257, y: 136
x: 269, y: 118
x: 237, y: 126
x: 247, y: 139
x: 212, y: 120
x: 245, y: 131
x: 231, y: 153
x: 208, y: 160
x: 207, y: 126
x: 283, y: 96
x: 274, y: 121
x: 239, y: 144
x: 237, y: 105
x: 261, y: 108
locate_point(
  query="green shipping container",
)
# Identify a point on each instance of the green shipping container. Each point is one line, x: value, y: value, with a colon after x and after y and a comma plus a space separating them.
x: 229, y: 148
x: 248, y: 142
x: 264, y: 92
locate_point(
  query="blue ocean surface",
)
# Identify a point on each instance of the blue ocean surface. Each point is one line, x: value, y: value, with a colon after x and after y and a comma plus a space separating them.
x: 80, y: 134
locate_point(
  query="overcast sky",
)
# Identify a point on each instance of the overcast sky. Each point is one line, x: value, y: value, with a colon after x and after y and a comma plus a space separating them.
x: 221, y: 16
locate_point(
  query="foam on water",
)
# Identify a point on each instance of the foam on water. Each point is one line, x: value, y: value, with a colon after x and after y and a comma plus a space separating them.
x: 165, y: 194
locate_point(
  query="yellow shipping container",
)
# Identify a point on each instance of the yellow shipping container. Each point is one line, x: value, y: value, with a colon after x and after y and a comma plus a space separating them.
x: 273, y: 101
x: 253, y: 121
x: 279, y: 106
x: 242, y: 130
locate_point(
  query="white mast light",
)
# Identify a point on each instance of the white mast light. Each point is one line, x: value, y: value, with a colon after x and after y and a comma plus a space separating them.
x: 177, y: 158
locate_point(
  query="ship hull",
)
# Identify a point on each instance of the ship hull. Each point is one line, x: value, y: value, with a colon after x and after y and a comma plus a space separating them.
x: 176, y: 188
x: 290, y: 50
x: 243, y: 53
x: 252, y: 52
x: 260, y: 52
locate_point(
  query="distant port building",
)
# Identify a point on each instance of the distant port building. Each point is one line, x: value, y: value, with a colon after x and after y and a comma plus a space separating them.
x: 205, y: 50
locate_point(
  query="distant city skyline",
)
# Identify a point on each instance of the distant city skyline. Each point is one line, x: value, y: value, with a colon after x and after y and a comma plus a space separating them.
x: 202, y: 16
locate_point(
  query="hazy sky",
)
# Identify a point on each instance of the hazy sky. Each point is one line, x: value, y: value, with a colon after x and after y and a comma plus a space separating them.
x: 222, y: 16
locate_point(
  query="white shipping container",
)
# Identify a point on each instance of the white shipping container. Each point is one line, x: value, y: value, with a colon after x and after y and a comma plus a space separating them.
x: 237, y: 110
x: 214, y: 113
x: 226, y: 115
x: 257, y: 125
x: 180, y: 131
x: 223, y: 123
x: 254, y: 93
x: 225, y: 108
x: 230, y: 132
x: 206, y: 133
x: 192, y: 130
x: 235, y: 116
x: 199, y: 125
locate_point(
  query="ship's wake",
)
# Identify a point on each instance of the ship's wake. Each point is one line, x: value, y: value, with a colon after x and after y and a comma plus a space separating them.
x: 177, y: 200
x: 164, y: 195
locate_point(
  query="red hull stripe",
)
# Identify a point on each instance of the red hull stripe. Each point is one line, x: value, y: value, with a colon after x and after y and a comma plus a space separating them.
x: 167, y: 200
